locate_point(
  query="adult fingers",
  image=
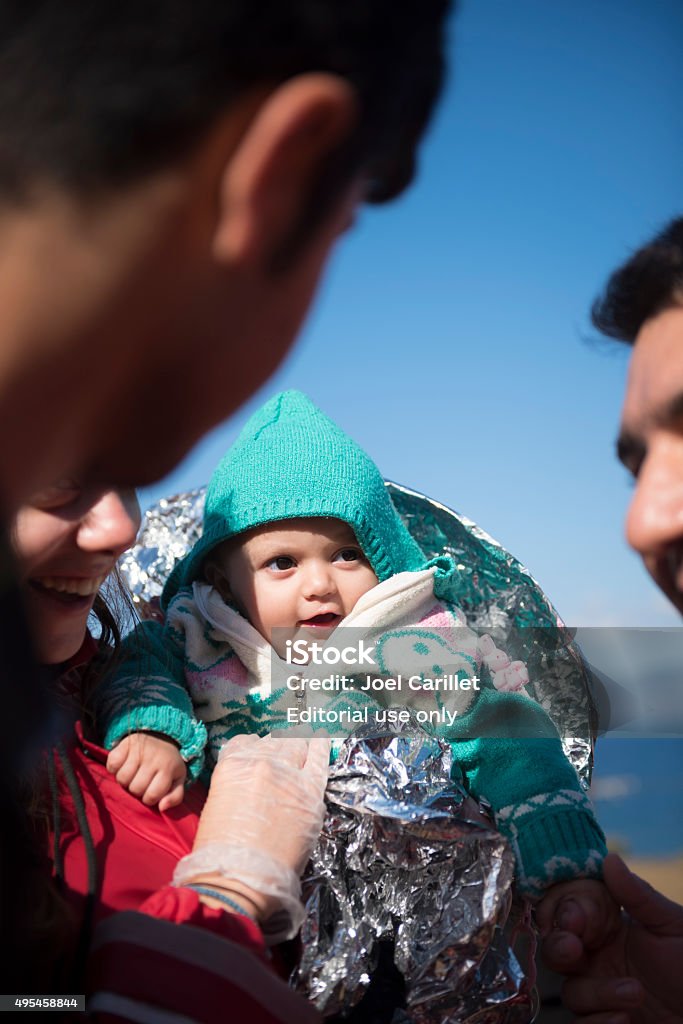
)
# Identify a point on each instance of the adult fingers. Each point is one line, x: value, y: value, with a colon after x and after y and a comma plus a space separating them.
x: 318, y: 759
x: 585, y: 995
x: 657, y: 913
x: 289, y: 751
x: 563, y: 952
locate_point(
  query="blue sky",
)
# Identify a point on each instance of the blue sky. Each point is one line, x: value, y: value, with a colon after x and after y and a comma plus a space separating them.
x: 451, y: 336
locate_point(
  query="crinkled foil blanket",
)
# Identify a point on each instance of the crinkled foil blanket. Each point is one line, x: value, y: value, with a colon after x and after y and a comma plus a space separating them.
x: 496, y: 593
x: 399, y: 861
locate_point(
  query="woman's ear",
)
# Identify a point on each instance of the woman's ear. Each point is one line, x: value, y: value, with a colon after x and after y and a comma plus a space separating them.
x: 214, y: 575
x: 271, y: 172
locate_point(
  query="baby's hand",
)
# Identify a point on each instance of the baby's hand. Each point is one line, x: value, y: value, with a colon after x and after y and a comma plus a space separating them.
x: 583, y: 907
x: 149, y: 767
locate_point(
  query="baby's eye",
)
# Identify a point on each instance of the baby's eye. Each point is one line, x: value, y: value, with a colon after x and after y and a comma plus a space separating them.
x: 348, y: 555
x: 281, y: 563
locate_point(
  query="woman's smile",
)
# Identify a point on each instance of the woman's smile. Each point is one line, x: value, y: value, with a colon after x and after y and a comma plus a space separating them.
x: 80, y: 586
x: 67, y: 542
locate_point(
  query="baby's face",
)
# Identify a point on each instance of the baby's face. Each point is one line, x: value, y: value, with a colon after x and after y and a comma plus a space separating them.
x: 299, y: 576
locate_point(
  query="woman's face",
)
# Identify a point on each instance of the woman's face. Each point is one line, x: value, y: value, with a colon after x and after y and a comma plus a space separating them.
x: 67, y: 540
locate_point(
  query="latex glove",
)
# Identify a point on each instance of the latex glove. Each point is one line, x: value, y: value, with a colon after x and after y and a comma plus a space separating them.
x: 261, y: 819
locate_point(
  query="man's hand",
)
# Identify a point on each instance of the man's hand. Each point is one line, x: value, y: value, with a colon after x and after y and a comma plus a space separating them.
x: 627, y: 971
x: 583, y: 906
x: 149, y: 767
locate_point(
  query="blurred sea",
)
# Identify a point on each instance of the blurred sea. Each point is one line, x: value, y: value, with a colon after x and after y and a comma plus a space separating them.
x: 638, y: 777
x: 638, y: 794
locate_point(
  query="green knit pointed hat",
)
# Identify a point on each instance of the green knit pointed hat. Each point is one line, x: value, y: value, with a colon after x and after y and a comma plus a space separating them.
x: 291, y: 461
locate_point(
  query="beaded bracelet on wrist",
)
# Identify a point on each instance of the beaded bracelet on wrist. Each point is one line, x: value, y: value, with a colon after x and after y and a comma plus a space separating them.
x: 216, y: 894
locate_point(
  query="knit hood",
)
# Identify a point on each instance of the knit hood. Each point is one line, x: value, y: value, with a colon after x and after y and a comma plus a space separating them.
x: 290, y: 461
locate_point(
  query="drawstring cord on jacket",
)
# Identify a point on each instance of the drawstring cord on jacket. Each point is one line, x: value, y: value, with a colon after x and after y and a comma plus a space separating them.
x: 85, y: 931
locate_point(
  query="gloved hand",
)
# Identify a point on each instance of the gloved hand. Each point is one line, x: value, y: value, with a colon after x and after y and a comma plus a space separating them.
x: 260, y: 822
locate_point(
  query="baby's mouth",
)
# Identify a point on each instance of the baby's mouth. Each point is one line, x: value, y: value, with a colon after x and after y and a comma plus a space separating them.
x: 322, y: 621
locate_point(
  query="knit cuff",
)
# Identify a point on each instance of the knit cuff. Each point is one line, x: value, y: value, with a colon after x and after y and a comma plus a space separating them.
x: 555, y: 838
x: 187, y: 732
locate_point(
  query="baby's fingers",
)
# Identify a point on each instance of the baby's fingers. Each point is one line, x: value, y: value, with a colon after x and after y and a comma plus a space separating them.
x: 172, y: 799
x: 129, y: 771
x: 158, y: 786
x: 591, y: 915
x: 141, y: 782
x: 547, y: 909
x: 117, y: 756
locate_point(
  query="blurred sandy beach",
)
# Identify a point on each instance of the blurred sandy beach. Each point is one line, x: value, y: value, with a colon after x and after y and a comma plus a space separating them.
x: 664, y: 873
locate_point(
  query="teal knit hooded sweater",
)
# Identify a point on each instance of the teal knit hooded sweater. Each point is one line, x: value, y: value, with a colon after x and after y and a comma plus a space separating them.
x: 291, y: 461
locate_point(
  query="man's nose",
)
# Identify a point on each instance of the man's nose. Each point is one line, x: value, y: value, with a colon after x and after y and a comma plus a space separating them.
x: 111, y: 523
x: 655, y: 515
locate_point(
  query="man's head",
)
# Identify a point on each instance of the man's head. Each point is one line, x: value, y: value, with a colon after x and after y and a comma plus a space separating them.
x: 643, y: 306
x: 182, y: 170
x: 294, y: 579
x: 97, y: 97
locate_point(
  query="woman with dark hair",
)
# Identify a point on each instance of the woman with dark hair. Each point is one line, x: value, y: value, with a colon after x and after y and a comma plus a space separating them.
x: 109, y: 853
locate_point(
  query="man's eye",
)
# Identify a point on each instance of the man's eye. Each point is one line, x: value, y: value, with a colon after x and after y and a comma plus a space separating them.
x: 61, y: 493
x: 348, y: 555
x: 281, y: 563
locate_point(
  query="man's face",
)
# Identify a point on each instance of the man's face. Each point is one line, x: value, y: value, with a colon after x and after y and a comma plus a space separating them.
x: 651, y: 446
x: 218, y: 341
x: 166, y: 312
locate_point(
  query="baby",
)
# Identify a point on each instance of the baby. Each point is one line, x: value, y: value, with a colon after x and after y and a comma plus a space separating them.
x: 301, y: 538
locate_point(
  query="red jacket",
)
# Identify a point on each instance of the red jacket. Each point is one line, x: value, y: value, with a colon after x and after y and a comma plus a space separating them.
x: 157, y: 949
x: 137, y: 847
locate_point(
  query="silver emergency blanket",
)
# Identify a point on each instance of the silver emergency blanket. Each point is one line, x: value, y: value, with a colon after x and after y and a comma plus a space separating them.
x: 169, y: 529
x: 401, y: 859
x: 496, y: 593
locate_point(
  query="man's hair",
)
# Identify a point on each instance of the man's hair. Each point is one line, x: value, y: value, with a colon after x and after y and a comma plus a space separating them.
x: 649, y: 282
x: 98, y: 94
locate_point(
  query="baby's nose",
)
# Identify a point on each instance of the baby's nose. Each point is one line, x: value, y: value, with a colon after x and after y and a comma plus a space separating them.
x: 319, y: 580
